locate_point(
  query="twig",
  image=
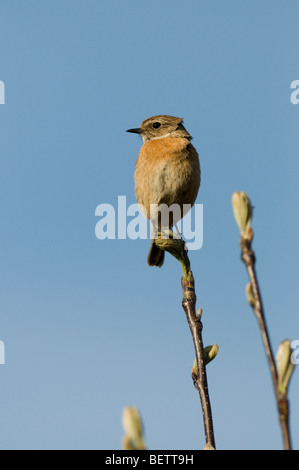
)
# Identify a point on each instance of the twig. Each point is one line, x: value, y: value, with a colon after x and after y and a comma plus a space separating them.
x: 243, y: 211
x: 248, y: 258
x: 177, y: 248
x: 199, y: 379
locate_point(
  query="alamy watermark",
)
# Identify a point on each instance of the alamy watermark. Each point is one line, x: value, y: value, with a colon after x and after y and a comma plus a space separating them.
x: 2, y: 92
x: 130, y: 222
x: 295, y: 94
x: 295, y: 353
x: 2, y: 353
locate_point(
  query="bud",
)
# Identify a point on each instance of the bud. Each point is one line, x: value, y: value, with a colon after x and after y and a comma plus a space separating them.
x: 133, y: 429
x: 210, y: 352
x: 199, y: 313
x: 194, y: 370
x: 127, y: 443
x: 284, y: 366
x: 249, y: 295
x: 169, y: 241
x: 176, y: 247
x: 248, y: 235
x: 242, y: 209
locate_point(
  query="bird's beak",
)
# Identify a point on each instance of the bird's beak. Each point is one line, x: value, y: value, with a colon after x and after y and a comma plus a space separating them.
x: 135, y: 131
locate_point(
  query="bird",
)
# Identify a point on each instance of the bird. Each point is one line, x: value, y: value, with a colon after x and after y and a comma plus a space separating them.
x: 167, y: 172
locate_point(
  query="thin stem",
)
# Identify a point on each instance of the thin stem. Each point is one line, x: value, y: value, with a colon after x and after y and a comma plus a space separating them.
x: 248, y: 258
x: 176, y: 247
x: 200, y: 380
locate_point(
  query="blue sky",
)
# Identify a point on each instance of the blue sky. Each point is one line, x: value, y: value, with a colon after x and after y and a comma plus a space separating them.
x: 88, y: 327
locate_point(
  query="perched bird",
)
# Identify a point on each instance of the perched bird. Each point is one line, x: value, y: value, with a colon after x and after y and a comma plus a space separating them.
x: 167, y: 172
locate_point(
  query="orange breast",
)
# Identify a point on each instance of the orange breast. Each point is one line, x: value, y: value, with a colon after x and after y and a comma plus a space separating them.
x: 167, y: 171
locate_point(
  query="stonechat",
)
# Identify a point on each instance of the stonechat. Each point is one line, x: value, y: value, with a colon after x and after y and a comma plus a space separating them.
x: 167, y: 172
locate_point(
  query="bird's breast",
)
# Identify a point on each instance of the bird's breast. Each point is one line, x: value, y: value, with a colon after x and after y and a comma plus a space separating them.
x: 167, y: 171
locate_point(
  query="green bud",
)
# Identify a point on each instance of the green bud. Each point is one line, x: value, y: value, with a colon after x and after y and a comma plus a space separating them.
x: 132, y: 425
x: 243, y: 211
x: 171, y: 242
x: 249, y: 295
x: 127, y: 443
x: 210, y: 352
x: 176, y: 247
x: 194, y: 370
x: 284, y: 366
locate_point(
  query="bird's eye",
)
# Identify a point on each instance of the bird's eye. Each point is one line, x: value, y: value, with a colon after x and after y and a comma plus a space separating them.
x: 156, y: 125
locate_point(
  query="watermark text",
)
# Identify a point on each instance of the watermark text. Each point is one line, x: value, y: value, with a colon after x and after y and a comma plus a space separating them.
x: 2, y: 92
x: 295, y: 94
x: 295, y: 353
x: 2, y: 353
x: 130, y: 222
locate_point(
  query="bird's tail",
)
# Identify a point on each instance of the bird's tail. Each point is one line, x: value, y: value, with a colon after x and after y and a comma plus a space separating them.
x: 155, y: 256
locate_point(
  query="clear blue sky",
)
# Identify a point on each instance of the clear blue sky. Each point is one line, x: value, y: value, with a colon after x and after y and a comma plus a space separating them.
x: 88, y: 327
